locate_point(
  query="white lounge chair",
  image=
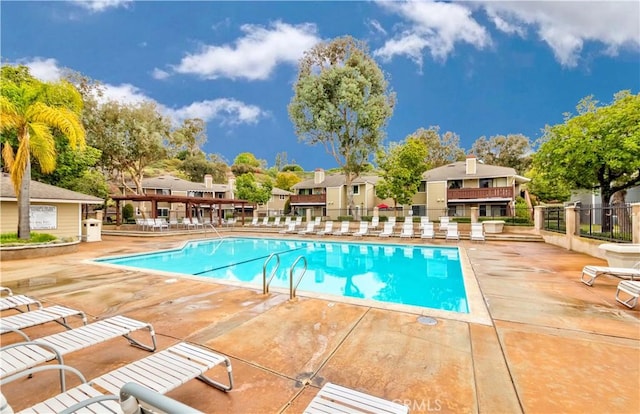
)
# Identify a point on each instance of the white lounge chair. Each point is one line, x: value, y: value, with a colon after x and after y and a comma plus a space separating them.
x: 363, y: 230
x: 309, y: 229
x: 392, y: 220
x: 328, y: 228
x: 424, y: 220
x: 197, y: 223
x: 452, y: 231
x: 477, y: 232
x: 407, y: 229
x: 298, y: 221
x: 161, y: 372
x: 317, y: 221
x: 20, y: 356
x: 387, y: 230
x: 56, y: 313
x: 631, y: 289
x: 16, y: 301
x: 589, y: 273
x: 276, y: 222
x: 344, y: 229
x: 254, y: 222
x: 187, y: 224
x: 427, y: 231
x: 337, y: 399
x: 291, y: 228
x: 160, y: 224
x: 444, y: 222
x: 265, y: 221
x: 375, y: 222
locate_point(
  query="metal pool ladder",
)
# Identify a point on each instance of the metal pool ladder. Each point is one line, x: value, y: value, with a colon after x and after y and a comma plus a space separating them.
x: 292, y: 288
x: 265, y: 282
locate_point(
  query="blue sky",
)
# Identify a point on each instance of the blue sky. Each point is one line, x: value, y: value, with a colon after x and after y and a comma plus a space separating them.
x: 473, y: 68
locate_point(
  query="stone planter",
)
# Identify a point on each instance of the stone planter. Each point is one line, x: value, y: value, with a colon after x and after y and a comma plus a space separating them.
x: 621, y: 255
x: 493, y: 226
x: 30, y: 251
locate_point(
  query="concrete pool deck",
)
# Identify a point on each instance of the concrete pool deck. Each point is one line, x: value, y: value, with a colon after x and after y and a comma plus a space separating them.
x: 553, y: 344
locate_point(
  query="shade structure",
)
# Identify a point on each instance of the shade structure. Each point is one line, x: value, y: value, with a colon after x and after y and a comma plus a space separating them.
x: 382, y: 205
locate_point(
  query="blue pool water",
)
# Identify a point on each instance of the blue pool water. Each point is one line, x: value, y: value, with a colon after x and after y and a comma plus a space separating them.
x: 411, y: 275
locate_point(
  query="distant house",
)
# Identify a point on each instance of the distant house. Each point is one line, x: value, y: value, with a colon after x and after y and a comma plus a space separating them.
x: 452, y: 189
x: 275, y: 205
x: 53, y: 210
x: 326, y: 195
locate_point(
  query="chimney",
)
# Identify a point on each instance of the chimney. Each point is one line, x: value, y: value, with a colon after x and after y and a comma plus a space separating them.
x: 208, y: 181
x: 471, y: 164
x: 318, y: 176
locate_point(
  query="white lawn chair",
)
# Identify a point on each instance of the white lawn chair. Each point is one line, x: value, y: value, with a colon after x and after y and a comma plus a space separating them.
x: 310, y: 227
x: 452, y: 231
x: 161, y: 372
x: 444, y: 222
x: 187, y: 224
x: 392, y: 220
x: 287, y: 221
x: 20, y: 356
x: 265, y: 221
x: 375, y: 222
x: 407, y: 229
x: 631, y: 289
x: 197, y: 223
x: 387, y: 230
x: 477, y: 232
x: 427, y: 231
x: 276, y: 222
x: 317, y: 221
x: 363, y: 230
x: 16, y: 301
x: 328, y: 228
x: 291, y: 228
x: 424, y: 220
x: 589, y: 273
x: 298, y: 222
x: 254, y: 222
x: 56, y: 313
x: 344, y: 229
x: 337, y: 399
x: 160, y: 224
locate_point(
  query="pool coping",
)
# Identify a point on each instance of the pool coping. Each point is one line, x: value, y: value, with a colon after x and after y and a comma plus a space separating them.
x: 478, y: 311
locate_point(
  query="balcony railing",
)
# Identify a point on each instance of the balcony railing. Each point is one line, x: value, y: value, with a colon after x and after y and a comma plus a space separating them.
x: 479, y: 193
x: 309, y: 199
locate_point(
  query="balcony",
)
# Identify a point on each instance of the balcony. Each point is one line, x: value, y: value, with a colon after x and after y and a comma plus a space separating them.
x: 502, y: 193
x: 311, y: 199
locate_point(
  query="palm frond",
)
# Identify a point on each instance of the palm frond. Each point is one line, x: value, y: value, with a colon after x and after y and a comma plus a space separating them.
x: 9, y: 118
x: 43, y: 146
x: 19, y: 165
x: 62, y: 118
x: 8, y: 155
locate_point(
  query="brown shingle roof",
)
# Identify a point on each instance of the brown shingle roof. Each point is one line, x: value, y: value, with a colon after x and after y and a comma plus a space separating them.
x: 40, y: 192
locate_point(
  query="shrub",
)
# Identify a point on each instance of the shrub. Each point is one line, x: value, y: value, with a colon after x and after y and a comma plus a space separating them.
x: 127, y: 212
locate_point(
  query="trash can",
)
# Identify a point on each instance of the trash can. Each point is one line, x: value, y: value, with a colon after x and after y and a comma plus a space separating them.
x: 91, y: 230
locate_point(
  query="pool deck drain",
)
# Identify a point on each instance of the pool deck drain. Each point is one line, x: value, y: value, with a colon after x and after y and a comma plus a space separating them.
x: 548, y: 339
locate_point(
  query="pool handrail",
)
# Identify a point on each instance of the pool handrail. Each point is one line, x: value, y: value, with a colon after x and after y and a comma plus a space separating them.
x: 265, y: 283
x: 292, y: 288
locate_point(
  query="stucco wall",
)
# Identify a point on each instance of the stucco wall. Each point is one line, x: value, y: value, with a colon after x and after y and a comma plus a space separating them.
x: 67, y: 219
x: 436, y: 199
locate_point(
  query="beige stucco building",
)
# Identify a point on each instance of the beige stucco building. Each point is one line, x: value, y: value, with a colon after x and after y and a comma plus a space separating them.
x: 53, y: 210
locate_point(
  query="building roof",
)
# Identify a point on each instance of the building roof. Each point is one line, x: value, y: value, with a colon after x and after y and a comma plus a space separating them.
x: 280, y: 191
x: 169, y: 182
x: 44, y: 192
x: 458, y: 171
x: 335, y: 180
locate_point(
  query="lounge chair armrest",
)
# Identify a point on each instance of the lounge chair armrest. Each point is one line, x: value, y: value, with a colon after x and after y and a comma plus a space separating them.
x: 82, y: 404
x: 149, y: 398
x: 31, y: 371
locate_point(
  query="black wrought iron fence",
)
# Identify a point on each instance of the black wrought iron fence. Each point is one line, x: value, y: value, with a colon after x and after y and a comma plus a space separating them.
x: 612, y: 223
x: 554, y: 219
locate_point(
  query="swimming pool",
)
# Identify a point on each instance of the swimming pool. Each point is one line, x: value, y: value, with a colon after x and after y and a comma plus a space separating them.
x: 424, y: 276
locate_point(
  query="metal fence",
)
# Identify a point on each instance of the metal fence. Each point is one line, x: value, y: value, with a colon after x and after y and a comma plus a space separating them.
x: 612, y: 223
x: 554, y: 219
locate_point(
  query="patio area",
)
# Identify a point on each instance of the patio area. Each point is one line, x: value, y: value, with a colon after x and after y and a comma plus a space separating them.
x: 552, y: 345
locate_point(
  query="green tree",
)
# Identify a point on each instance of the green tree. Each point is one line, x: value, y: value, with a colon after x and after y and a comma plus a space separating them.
x: 342, y: 101
x: 198, y: 165
x: 597, y: 149
x: 247, y: 188
x: 246, y: 162
x: 90, y: 182
x: 131, y: 137
x: 286, y: 180
x: 512, y: 151
x: 29, y: 121
x: 441, y: 149
x: 189, y: 137
x: 402, y: 166
x: 546, y: 189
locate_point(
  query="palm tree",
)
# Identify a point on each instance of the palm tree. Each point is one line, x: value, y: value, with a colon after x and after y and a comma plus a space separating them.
x: 27, y: 113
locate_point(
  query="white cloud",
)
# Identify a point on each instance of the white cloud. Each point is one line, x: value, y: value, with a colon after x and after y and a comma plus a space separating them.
x: 227, y: 111
x: 124, y: 93
x: 97, y: 6
x: 160, y: 74
x: 377, y: 26
x: 46, y: 70
x: 254, y: 56
x: 566, y: 26
x: 432, y: 25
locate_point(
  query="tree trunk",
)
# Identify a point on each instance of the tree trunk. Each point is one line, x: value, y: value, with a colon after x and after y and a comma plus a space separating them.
x: 24, y: 226
x: 607, y: 222
x: 350, y: 204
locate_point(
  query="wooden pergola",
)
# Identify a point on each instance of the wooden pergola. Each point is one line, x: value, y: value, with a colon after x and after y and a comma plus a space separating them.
x: 189, y: 203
